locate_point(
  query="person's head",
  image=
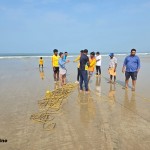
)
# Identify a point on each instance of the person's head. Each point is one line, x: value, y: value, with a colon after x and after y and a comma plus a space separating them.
x: 111, y: 55
x: 55, y: 52
x: 85, y: 51
x: 81, y: 51
x: 92, y: 54
x: 66, y: 53
x: 61, y: 54
x: 41, y: 58
x: 133, y: 52
x: 97, y: 53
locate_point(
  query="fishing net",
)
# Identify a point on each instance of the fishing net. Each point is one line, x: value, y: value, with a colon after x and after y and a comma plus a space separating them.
x: 52, y: 104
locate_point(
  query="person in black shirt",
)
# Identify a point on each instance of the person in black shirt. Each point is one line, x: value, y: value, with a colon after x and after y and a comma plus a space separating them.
x: 84, y: 62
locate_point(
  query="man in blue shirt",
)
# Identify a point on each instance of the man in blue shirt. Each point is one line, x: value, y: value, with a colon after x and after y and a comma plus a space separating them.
x: 84, y: 61
x: 131, y: 68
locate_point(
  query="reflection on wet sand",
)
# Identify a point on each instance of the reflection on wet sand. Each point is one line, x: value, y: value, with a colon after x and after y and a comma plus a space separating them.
x: 41, y: 70
x: 56, y: 85
x: 111, y: 94
x: 129, y: 105
x: 87, y: 107
x: 98, y: 86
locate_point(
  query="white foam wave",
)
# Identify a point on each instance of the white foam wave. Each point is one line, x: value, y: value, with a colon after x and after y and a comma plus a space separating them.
x: 70, y: 56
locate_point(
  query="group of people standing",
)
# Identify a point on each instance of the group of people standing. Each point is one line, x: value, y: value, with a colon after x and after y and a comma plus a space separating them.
x: 87, y: 65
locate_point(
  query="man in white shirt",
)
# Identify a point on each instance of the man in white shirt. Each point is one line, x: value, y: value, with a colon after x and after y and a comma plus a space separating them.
x: 98, y: 63
x: 112, y: 67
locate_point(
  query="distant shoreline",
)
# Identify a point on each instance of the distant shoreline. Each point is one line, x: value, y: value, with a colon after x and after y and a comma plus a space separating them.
x: 37, y: 55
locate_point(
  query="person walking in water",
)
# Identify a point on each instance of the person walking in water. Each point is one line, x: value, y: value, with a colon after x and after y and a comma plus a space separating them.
x: 84, y: 62
x: 55, y: 65
x: 98, y: 63
x: 112, y: 67
x: 131, y: 68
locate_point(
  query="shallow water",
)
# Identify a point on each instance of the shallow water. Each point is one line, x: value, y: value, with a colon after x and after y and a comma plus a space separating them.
x: 107, y: 118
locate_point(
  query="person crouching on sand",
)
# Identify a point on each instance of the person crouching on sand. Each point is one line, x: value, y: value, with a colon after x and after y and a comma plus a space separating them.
x: 41, y: 62
x: 92, y: 64
x: 112, y: 67
x: 62, y: 69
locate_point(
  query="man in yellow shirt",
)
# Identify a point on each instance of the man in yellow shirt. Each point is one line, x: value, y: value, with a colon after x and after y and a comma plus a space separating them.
x: 78, y: 69
x: 55, y: 64
x: 92, y: 64
x: 41, y: 62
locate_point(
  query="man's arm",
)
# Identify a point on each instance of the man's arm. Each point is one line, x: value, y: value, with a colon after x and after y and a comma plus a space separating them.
x: 124, y: 65
x: 93, y: 63
x: 88, y: 62
x: 52, y: 62
x: 77, y: 59
x: 115, y: 67
x: 139, y: 64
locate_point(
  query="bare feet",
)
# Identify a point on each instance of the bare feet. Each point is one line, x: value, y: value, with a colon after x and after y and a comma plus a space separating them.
x: 77, y: 82
x: 133, y: 89
x: 81, y: 91
x: 125, y: 88
x: 109, y: 82
x: 87, y: 92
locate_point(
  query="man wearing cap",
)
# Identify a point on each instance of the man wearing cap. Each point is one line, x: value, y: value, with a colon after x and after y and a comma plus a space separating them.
x: 112, y: 67
x: 55, y: 64
x: 131, y: 68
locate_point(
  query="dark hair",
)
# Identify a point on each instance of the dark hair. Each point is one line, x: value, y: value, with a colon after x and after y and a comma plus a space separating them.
x: 66, y: 52
x: 60, y: 54
x: 133, y: 50
x: 85, y: 51
x: 98, y: 53
x: 40, y: 57
x: 55, y: 50
x: 92, y: 53
x: 82, y: 51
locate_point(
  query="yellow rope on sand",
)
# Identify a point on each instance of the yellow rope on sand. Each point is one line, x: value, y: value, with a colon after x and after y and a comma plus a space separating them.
x: 50, y: 104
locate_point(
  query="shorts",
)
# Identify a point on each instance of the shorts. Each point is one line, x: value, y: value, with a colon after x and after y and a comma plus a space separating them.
x: 62, y: 71
x: 90, y: 73
x: 56, y: 69
x: 133, y: 75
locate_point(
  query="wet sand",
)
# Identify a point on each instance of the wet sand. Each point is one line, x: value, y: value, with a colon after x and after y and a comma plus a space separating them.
x: 108, y: 118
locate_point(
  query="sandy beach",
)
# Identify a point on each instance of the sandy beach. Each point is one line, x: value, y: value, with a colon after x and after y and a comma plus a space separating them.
x: 108, y: 118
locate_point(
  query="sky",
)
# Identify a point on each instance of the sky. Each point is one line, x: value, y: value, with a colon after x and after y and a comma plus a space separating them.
x: 39, y: 26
